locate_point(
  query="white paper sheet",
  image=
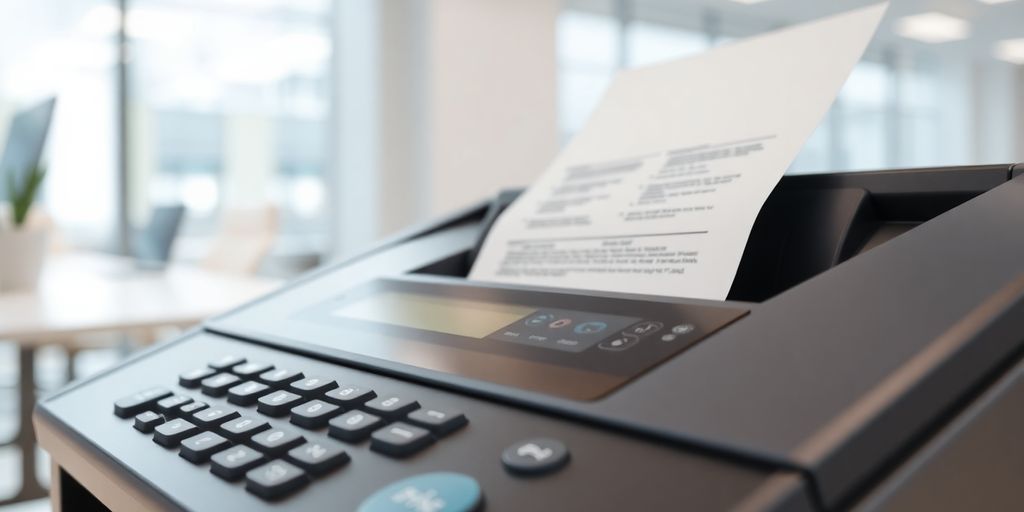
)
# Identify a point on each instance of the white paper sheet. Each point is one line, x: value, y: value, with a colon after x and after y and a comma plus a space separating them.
x: 658, y: 193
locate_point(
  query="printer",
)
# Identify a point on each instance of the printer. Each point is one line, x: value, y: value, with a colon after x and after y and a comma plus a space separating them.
x: 868, y: 358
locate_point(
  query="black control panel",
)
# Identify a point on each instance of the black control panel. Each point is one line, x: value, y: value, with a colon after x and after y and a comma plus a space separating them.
x: 573, y: 346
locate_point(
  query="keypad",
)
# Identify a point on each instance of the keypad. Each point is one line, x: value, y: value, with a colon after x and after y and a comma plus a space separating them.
x: 314, y: 414
x: 282, y: 429
x: 247, y: 393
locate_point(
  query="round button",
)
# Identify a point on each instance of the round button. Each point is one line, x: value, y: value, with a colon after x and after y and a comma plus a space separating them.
x: 590, y: 327
x: 437, y: 492
x: 535, y: 456
x: 683, y: 328
x: 668, y: 337
x: 539, y: 320
x: 622, y: 342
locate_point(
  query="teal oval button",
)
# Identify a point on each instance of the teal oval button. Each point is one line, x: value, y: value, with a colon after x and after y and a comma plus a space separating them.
x: 429, y: 492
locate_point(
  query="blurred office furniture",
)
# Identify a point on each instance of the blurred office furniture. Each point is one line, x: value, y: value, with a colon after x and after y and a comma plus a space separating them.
x: 243, y: 240
x: 152, y: 245
x: 82, y: 293
x: 26, y: 139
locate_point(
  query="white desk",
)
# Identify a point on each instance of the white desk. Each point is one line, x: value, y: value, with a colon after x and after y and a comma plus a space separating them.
x: 81, y: 293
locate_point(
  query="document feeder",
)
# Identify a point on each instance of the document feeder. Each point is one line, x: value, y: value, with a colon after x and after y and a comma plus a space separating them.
x: 872, y: 336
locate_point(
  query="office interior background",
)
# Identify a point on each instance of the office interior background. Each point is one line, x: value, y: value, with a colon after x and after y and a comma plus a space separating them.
x: 352, y: 118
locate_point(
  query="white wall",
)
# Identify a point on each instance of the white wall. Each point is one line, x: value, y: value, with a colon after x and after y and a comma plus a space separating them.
x: 439, y: 104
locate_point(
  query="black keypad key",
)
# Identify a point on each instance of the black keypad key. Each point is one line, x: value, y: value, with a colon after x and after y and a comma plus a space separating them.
x: 192, y: 378
x: 438, y: 421
x: 314, y: 414
x: 312, y: 385
x: 391, y: 406
x: 318, y: 457
x: 192, y: 408
x: 147, y: 421
x: 171, y: 404
x: 280, y: 377
x: 219, y: 384
x: 349, y: 396
x: 251, y: 369
x: 135, y: 403
x: 200, y: 447
x: 171, y: 433
x: 276, y: 441
x: 231, y: 464
x: 213, y: 416
x: 243, y: 427
x: 226, y: 362
x: 275, y: 479
x: 278, y: 403
x: 400, y: 439
x: 247, y: 393
x: 353, y: 426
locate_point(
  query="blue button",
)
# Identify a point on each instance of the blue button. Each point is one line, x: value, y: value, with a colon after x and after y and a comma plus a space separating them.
x: 590, y: 327
x: 429, y: 492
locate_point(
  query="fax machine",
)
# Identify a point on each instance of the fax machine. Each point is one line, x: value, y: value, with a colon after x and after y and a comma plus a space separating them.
x: 868, y: 358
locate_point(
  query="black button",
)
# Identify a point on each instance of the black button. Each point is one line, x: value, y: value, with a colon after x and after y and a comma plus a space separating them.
x: 192, y: 378
x: 219, y: 384
x: 535, y: 456
x: 438, y: 421
x: 391, y: 406
x: 251, y: 369
x: 147, y: 421
x: 226, y: 362
x: 247, y: 393
x: 312, y: 385
x: 171, y: 404
x: 135, y: 403
x: 213, y: 416
x: 171, y: 433
x: 314, y: 414
x: 275, y: 479
x: 277, y: 441
x: 200, y: 447
x: 232, y: 463
x: 318, y: 457
x: 192, y: 408
x: 618, y: 343
x: 243, y: 427
x: 277, y: 403
x: 349, y: 396
x: 280, y: 377
x: 400, y: 439
x: 353, y: 426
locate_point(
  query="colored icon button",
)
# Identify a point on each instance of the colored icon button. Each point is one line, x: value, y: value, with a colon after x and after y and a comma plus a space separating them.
x: 436, y: 492
x: 590, y: 327
x: 561, y: 322
x: 622, y: 342
x: 539, y: 320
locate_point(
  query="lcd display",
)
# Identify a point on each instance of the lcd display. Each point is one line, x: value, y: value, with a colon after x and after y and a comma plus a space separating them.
x: 470, y: 318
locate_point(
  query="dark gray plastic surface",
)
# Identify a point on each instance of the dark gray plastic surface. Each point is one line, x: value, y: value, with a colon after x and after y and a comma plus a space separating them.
x: 607, y: 470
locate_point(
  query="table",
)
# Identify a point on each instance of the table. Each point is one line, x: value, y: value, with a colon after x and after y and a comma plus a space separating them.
x: 86, y: 292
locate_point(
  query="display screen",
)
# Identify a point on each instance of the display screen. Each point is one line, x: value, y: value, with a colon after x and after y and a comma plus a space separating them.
x: 470, y: 318
x: 575, y: 346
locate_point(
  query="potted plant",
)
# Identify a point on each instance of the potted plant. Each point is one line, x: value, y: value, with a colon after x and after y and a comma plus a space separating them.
x: 22, y: 246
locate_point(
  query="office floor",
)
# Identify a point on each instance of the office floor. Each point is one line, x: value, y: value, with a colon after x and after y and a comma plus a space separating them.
x: 50, y: 370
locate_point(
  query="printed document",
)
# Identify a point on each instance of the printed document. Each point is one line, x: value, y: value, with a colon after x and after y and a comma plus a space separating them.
x: 659, y: 191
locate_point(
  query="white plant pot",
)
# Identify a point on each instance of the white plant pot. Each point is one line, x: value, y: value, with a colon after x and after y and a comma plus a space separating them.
x: 22, y: 252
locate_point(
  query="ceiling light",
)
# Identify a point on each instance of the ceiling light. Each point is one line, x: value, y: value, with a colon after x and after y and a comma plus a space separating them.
x: 993, y: 2
x: 933, y: 27
x: 1010, y: 50
x: 749, y: 2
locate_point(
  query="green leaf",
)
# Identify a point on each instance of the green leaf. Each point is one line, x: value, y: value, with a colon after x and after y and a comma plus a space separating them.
x: 21, y: 196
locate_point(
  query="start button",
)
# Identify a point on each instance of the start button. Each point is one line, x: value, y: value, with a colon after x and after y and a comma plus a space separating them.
x: 429, y: 492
